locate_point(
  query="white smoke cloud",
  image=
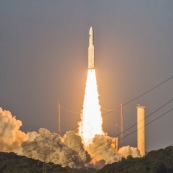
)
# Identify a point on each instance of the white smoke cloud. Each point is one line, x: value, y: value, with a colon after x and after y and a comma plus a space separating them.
x: 50, y: 147
x: 69, y: 149
x: 129, y: 151
x: 103, y: 148
x: 10, y: 135
x: 32, y: 136
x: 73, y: 141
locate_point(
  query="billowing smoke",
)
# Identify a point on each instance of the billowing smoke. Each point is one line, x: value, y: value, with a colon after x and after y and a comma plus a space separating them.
x: 67, y: 150
x: 50, y: 147
x: 129, y: 151
x: 103, y: 148
x: 10, y: 135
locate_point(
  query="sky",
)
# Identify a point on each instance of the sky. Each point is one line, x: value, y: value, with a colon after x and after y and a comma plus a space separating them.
x: 43, y: 60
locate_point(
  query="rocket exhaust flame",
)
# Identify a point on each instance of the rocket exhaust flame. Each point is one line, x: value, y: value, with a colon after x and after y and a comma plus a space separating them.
x: 91, y: 120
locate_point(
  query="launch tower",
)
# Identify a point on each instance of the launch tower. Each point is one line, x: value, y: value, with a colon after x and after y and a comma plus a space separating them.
x: 141, y: 129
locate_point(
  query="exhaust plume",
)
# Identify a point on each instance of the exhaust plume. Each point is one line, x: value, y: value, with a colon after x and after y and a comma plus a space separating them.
x: 91, y: 118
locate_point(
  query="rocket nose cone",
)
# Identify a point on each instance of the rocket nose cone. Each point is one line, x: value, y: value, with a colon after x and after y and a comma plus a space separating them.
x: 91, y: 30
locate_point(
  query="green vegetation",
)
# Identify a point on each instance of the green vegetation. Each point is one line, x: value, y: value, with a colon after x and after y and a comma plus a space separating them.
x: 160, y: 161
x: 12, y: 163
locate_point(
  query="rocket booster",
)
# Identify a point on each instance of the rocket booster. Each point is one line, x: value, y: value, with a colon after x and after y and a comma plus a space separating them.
x: 91, y: 49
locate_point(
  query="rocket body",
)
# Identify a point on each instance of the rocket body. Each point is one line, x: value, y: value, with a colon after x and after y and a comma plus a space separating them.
x: 91, y: 49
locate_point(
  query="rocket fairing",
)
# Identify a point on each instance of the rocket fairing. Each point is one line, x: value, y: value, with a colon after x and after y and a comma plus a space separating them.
x: 91, y: 49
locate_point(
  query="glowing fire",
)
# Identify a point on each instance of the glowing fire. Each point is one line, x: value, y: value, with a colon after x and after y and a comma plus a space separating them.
x: 91, y: 120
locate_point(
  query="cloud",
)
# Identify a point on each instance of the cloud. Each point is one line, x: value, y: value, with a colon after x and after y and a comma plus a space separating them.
x: 10, y: 135
x: 103, y: 148
x: 50, y: 147
x: 129, y: 151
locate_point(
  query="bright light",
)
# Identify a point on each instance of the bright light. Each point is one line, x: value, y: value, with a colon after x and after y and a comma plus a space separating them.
x: 91, y: 119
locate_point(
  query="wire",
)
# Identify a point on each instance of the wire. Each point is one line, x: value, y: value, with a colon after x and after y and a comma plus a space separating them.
x: 68, y: 110
x: 137, y: 97
x: 146, y: 92
x: 150, y: 122
x: 146, y: 116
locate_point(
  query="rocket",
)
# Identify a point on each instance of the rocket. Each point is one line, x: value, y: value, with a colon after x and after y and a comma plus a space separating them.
x: 91, y: 49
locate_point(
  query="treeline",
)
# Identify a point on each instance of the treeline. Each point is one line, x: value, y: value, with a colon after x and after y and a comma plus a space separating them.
x: 12, y: 163
x: 160, y: 161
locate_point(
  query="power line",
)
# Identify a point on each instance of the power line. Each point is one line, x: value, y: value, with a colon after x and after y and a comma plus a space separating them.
x: 137, y: 97
x: 68, y: 110
x: 147, y: 116
x: 151, y: 121
x: 146, y: 92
